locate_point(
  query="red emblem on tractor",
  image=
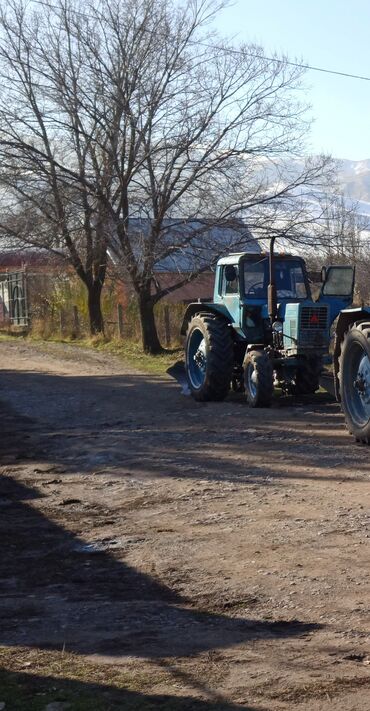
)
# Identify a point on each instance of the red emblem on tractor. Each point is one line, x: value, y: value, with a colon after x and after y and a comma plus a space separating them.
x: 314, y: 319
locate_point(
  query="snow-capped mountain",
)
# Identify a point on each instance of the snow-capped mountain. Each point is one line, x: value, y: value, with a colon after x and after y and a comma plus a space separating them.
x: 354, y: 179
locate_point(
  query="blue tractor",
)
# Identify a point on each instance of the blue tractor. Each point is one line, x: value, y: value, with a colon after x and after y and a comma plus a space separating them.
x: 263, y: 329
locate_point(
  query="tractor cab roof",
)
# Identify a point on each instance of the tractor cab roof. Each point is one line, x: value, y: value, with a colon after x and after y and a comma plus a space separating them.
x: 252, y: 256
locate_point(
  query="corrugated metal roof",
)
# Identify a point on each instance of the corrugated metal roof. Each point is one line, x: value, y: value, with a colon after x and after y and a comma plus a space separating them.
x: 187, y: 245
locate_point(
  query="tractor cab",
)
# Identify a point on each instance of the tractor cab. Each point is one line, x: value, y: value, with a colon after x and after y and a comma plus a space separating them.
x: 248, y: 277
x: 242, y: 288
x: 253, y: 298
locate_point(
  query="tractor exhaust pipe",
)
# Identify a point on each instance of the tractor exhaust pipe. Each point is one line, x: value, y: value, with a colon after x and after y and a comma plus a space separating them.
x: 271, y: 290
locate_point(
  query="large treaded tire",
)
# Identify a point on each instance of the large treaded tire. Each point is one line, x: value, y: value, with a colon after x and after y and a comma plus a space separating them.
x: 355, y: 348
x: 213, y: 383
x: 258, y: 379
x: 307, y: 378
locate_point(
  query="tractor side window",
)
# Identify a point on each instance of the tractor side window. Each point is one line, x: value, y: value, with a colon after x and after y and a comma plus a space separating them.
x: 231, y: 286
x: 338, y: 282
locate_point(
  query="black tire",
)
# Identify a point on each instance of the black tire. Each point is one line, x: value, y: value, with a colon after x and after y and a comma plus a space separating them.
x: 307, y: 378
x: 258, y: 379
x: 211, y: 378
x: 354, y: 380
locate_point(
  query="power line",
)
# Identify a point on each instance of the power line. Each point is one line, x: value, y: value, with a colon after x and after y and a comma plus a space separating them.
x: 310, y: 67
x: 231, y: 50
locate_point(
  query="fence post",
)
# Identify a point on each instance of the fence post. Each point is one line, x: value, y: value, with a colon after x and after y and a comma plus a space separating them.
x: 62, y: 322
x: 120, y: 320
x: 76, y: 323
x: 167, y: 326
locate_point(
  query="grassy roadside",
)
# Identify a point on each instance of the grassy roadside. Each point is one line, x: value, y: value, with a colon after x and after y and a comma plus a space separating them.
x: 30, y: 679
x: 129, y: 352
x: 132, y: 354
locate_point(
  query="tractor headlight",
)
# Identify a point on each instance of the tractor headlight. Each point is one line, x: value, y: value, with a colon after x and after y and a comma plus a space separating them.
x: 277, y: 326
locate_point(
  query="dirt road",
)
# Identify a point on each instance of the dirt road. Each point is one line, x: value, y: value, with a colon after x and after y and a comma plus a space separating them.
x: 212, y: 552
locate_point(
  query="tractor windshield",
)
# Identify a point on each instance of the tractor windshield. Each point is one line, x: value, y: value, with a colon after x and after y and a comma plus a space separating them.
x: 289, y: 277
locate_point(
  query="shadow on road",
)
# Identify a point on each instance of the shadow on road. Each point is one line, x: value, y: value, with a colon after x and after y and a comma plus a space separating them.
x: 56, y: 592
x: 143, y: 425
x: 28, y: 688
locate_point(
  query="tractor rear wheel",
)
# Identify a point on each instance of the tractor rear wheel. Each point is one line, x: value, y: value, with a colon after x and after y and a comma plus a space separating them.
x: 354, y: 380
x: 258, y: 379
x: 209, y: 355
x: 307, y: 378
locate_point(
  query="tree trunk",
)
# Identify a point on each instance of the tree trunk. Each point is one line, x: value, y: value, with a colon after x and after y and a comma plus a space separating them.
x: 94, y: 307
x: 149, y: 333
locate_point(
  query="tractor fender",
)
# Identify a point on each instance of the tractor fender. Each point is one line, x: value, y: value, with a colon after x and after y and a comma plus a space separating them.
x: 203, y: 308
x: 346, y: 318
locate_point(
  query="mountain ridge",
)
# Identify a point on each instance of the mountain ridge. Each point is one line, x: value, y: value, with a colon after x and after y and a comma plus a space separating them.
x: 354, y: 179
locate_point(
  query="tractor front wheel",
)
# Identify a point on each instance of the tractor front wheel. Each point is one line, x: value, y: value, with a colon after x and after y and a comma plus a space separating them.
x: 258, y: 379
x: 354, y: 380
x: 209, y: 357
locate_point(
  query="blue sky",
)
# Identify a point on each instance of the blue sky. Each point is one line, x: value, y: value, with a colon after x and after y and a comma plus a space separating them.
x: 326, y: 33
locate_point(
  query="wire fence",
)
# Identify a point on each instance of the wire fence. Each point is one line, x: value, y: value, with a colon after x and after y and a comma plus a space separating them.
x: 57, y: 307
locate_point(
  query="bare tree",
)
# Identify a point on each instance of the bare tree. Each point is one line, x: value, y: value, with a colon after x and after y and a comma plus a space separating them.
x: 122, y: 110
x: 342, y: 236
x: 344, y: 228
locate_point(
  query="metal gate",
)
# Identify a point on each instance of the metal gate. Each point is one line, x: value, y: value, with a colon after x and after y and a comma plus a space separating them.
x: 13, y: 299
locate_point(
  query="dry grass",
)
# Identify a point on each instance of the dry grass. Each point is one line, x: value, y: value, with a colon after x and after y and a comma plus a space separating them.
x: 130, y: 352
x: 32, y: 678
